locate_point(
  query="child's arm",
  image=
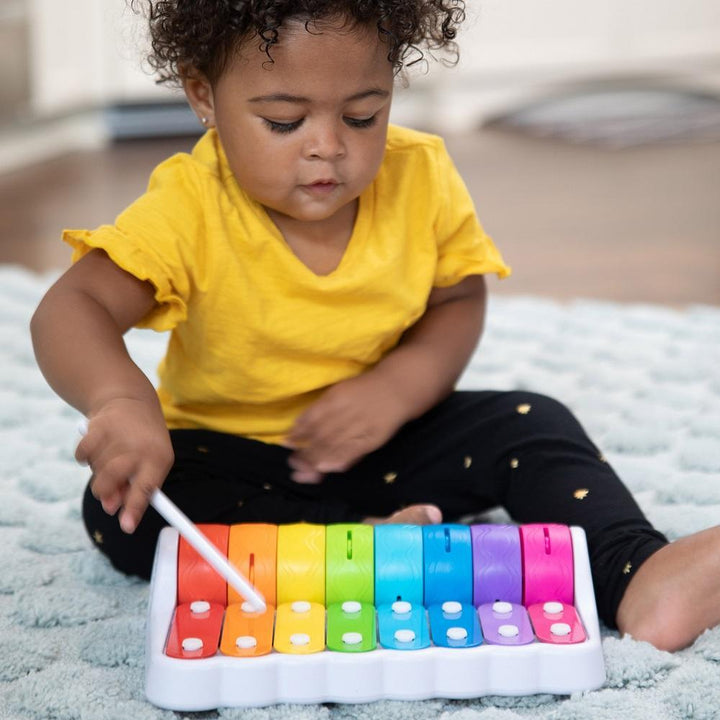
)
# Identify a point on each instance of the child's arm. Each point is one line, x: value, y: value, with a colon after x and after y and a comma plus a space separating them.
x: 359, y: 415
x: 77, y: 334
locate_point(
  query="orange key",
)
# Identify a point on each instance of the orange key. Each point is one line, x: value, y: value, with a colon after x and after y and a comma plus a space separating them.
x: 195, y: 630
x: 197, y: 580
x: 247, y: 634
x: 252, y: 549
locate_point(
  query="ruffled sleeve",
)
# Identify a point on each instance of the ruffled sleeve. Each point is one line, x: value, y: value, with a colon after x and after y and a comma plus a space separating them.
x: 463, y: 246
x: 155, y: 239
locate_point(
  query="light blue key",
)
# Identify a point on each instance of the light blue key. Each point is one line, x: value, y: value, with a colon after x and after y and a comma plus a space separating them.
x: 403, y: 626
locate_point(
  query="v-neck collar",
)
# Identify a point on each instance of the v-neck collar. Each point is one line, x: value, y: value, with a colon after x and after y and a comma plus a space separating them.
x: 356, y: 240
x: 240, y: 198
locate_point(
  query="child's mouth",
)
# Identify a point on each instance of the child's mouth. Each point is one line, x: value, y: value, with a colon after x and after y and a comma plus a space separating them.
x: 321, y: 187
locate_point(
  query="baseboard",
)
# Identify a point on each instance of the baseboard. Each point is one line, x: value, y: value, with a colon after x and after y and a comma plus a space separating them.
x: 34, y: 142
x: 31, y: 143
x: 148, y: 120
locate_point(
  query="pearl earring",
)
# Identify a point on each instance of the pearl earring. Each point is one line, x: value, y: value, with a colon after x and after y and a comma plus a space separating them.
x: 204, y: 120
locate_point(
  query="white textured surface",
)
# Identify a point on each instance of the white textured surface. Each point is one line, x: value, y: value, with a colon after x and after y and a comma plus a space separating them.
x: 644, y: 380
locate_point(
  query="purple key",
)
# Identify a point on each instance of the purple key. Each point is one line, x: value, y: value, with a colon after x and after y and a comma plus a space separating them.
x: 505, y: 623
x: 497, y: 564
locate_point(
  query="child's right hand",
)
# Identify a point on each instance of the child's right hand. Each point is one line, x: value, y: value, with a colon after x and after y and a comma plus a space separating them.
x: 128, y: 449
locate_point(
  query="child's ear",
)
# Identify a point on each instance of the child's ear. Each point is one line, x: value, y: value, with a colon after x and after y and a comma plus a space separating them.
x: 198, y: 91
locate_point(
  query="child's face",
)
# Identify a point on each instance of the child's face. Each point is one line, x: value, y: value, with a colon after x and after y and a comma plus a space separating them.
x: 305, y: 134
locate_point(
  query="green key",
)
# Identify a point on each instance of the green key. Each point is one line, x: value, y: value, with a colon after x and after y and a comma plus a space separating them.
x: 351, y: 627
x: 349, y: 563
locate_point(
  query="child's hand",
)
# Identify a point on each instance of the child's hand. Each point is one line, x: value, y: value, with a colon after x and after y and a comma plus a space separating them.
x: 350, y: 420
x: 128, y: 449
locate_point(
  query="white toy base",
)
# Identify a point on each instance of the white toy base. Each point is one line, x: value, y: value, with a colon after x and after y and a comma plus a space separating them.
x: 434, y: 672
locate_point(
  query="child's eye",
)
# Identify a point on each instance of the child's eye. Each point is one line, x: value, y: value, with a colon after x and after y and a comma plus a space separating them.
x: 280, y: 127
x: 360, y: 122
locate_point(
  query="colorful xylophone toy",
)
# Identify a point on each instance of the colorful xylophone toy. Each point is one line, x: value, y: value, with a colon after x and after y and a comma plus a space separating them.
x: 358, y: 613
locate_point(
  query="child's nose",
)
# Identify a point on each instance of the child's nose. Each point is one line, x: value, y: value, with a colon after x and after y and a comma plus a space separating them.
x: 325, y: 142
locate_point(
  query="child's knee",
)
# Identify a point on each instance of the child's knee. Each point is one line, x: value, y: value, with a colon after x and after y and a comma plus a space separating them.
x: 661, y: 624
x: 541, y: 413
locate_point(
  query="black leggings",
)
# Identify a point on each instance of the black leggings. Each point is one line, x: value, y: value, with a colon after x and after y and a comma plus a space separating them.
x: 472, y: 452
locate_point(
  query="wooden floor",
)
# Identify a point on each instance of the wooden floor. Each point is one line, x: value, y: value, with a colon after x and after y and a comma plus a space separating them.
x: 640, y: 225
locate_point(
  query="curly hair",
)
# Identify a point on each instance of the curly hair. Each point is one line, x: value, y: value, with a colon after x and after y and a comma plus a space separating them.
x: 203, y: 34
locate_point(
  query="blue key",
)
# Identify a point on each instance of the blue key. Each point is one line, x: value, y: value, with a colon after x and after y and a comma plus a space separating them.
x: 455, y: 625
x: 447, y: 555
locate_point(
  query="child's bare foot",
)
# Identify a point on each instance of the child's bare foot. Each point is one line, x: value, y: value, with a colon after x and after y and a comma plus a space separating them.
x: 411, y: 515
x: 675, y: 595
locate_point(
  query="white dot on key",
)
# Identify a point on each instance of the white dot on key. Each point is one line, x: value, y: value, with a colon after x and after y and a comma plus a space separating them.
x: 404, y: 636
x: 456, y: 633
x: 451, y: 607
x: 560, y: 629
x: 300, y: 606
x: 351, y: 606
x: 191, y: 644
x: 401, y: 606
x: 502, y: 608
x: 199, y: 606
x: 248, y: 607
x: 352, y: 638
x: 553, y: 608
x: 245, y: 642
x: 299, y: 639
x: 508, y: 631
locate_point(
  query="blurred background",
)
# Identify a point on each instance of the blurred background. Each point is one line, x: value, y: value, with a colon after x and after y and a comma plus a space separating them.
x: 588, y: 134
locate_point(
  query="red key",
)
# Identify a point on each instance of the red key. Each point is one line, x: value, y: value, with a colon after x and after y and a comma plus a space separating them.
x: 195, y: 630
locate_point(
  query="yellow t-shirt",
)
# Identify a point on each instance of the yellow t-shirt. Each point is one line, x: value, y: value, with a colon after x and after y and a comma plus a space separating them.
x: 256, y: 335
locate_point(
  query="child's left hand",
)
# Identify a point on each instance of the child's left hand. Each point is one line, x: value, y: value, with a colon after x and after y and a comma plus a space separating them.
x: 350, y: 420
x: 356, y: 416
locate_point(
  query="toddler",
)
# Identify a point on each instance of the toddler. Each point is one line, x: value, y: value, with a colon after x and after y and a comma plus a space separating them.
x: 322, y: 276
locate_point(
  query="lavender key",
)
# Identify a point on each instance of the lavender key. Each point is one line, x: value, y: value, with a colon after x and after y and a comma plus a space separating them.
x: 497, y: 564
x: 505, y: 623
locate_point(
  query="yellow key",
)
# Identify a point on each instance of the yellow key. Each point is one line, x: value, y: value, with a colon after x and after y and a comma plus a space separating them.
x: 300, y: 628
x: 301, y: 563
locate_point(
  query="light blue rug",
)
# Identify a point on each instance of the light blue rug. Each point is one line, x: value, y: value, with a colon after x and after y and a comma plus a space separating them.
x: 644, y: 380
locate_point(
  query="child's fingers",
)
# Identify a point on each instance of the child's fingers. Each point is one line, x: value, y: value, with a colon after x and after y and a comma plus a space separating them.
x: 110, y: 482
x: 316, y: 425
x: 320, y: 461
x: 300, y: 436
x: 111, y: 503
x: 303, y: 471
x: 82, y: 451
x: 136, y: 500
x: 307, y: 477
x: 109, y: 496
x: 318, y: 443
x: 297, y: 462
x: 337, y: 465
x: 95, y: 452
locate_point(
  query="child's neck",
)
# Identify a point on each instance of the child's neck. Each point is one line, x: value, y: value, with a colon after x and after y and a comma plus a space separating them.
x: 320, y: 245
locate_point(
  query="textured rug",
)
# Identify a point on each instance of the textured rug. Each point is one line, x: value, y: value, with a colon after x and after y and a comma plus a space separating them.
x: 621, y: 117
x: 644, y: 380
